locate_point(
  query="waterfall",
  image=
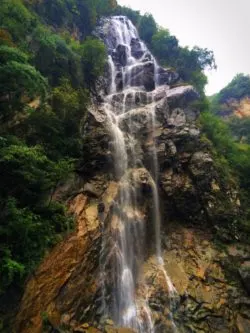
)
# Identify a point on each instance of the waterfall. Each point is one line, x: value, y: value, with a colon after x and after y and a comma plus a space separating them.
x: 133, y: 77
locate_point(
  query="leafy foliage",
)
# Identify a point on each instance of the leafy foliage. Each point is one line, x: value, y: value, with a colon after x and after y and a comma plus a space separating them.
x: 190, y: 64
x: 240, y: 128
x: 133, y: 15
x: 147, y: 27
x: 54, y: 57
x: 93, y: 54
x: 28, y: 222
x: 18, y: 79
x: 233, y: 158
x: 70, y: 14
x: 17, y: 20
x: 231, y: 140
x: 44, y: 76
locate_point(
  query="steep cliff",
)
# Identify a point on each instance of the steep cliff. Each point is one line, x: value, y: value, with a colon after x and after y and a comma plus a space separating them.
x: 148, y: 205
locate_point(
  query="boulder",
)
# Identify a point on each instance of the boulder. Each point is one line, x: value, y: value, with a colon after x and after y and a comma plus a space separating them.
x: 142, y: 75
x: 177, y: 118
x: 244, y: 272
x: 136, y: 48
x: 201, y: 164
x: 120, y: 55
x: 166, y: 76
x: 242, y: 324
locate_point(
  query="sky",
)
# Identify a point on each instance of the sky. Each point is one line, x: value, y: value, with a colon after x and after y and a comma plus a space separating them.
x: 222, y: 26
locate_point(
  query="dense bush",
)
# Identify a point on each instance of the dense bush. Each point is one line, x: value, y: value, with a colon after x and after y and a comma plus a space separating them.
x: 29, y: 222
x: 147, y: 28
x: 232, y: 157
x: 190, y: 64
x: 46, y: 71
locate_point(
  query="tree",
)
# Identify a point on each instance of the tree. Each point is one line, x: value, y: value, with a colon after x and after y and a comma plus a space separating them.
x: 29, y: 222
x: 133, y: 15
x: 190, y: 64
x: 19, y: 80
x: 147, y: 27
x: 8, y: 53
x: 54, y: 58
x: 93, y: 54
x: 240, y: 128
x: 17, y: 20
x: 105, y: 7
x: 165, y: 47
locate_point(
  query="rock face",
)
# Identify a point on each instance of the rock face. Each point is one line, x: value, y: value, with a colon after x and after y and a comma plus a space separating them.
x: 245, y: 275
x: 66, y: 292
x: 58, y: 285
x: 235, y: 108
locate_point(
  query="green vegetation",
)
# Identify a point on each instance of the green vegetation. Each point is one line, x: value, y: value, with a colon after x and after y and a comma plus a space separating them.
x: 147, y: 28
x: 30, y: 222
x: 18, y: 81
x: 231, y: 138
x: 48, y: 66
x: 232, y: 160
x: 190, y: 64
x: 240, y: 128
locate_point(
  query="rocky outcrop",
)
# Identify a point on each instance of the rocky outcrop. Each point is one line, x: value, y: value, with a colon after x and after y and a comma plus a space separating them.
x: 144, y: 75
x: 211, y: 299
x: 234, y: 108
x: 65, y: 283
x: 245, y: 275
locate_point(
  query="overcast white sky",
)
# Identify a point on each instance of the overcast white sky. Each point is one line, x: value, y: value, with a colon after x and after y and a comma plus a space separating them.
x: 220, y: 25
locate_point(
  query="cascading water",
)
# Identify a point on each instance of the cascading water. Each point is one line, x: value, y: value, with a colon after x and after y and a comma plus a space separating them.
x: 130, y: 64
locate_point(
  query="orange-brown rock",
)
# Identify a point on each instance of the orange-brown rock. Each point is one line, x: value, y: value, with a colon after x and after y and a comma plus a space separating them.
x: 65, y: 282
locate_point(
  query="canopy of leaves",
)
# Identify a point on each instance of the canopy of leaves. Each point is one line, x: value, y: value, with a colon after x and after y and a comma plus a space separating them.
x: 54, y: 57
x: 147, y: 27
x: 190, y: 64
x: 21, y: 79
x: 18, y: 79
x: 240, y: 128
x: 69, y: 14
x: 5, y: 38
x: 234, y: 156
x: 28, y: 222
x: 93, y: 54
x: 133, y: 15
x: 16, y: 19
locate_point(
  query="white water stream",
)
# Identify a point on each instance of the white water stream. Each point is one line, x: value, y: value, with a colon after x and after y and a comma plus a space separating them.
x: 128, y: 225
